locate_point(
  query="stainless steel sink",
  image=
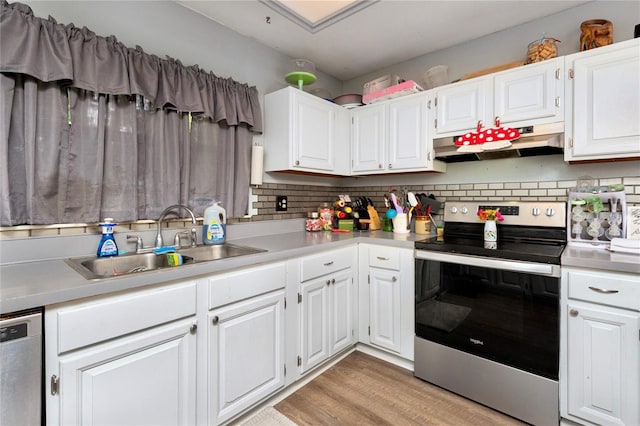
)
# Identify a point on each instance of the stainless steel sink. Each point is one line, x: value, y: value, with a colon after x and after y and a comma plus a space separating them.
x: 93, y: 268
x: 106, y: 267
x: 216, y: 252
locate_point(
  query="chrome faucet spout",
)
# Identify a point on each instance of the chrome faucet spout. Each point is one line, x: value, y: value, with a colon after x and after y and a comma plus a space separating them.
x: 159, y: 240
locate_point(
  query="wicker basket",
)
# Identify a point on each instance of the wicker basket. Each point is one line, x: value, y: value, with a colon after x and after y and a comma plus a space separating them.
x: 595, y: 33
x: 542, y: 49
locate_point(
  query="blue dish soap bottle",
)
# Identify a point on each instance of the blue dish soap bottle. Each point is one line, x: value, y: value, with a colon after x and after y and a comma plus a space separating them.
x: 214, y: 226
x: 107, y: 246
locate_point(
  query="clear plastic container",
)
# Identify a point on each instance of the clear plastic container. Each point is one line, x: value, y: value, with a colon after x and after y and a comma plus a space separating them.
x: 214, y: 225
x: 436, y: 76
x: 313, y: 222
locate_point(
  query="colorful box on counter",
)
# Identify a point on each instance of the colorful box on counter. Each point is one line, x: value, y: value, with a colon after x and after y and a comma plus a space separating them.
x: 346, y: 224
x: 402, y: 89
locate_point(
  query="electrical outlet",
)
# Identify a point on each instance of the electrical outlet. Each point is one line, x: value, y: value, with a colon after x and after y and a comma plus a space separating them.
x: 281, y: 203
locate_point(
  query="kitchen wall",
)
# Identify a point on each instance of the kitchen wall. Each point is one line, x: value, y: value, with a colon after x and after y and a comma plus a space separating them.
x: 166, y: 28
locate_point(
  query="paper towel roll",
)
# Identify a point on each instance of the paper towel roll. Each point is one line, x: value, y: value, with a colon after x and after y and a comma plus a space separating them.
x: 257, y: 164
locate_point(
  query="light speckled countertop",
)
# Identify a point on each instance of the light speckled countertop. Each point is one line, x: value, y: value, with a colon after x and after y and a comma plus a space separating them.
x: 26, y: 285
x: 601, y: 259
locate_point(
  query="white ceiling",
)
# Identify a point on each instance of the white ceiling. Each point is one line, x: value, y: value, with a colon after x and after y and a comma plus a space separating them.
x: 386, y: 33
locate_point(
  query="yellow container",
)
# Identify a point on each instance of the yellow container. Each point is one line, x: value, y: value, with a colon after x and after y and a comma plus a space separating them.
x: 423, y: 225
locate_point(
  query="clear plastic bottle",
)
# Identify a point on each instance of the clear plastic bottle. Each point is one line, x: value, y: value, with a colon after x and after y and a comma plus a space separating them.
x: 107, y: 246
x: 214, y: 226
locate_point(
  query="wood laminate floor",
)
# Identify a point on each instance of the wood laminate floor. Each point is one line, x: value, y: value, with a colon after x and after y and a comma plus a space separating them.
x: 363, y: 390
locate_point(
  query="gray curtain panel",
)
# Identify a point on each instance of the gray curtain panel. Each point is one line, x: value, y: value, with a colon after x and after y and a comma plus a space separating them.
x: 93, y: 129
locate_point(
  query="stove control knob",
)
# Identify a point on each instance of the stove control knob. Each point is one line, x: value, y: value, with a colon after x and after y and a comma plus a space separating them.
x: 549, y: 212
x: 454, y: 210
x: 464, y: 210
x: 535, y: 211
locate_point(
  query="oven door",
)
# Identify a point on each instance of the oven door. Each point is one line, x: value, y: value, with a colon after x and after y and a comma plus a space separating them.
x: 505, y: 311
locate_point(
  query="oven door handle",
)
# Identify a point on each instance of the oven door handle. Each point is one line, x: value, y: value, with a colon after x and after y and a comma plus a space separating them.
x: 483, y: 262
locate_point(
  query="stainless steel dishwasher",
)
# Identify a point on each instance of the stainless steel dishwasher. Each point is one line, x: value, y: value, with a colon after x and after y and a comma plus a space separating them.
x: 21, y: 368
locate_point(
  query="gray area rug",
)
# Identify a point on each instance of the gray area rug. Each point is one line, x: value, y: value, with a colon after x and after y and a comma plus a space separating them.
x: 268, y: 416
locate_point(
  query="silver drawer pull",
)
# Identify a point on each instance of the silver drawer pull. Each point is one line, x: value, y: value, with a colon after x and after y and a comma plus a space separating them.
x: 329, y: 263
x: 603, y: 290
x: 382, y: 258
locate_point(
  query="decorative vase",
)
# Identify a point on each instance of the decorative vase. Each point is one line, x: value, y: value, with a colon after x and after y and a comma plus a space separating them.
x: 490, y: 231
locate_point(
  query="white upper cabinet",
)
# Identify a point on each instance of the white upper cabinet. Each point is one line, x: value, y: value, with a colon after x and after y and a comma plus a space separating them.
x: 305, y: 133
x: 530, y: 95
x: 603, y: 118
x: 523, y: 96
x: 368, y: 136
x: 393, y: 136
x: 459, y: 106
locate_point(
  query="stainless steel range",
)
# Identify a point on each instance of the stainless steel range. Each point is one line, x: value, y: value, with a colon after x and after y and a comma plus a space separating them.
x: 487, y: 315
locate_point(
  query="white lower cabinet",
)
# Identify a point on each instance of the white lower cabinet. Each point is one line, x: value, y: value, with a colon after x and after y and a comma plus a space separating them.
x: 601, y: 354
x: 245, y: 339
x: 326, y: 304
x: 386, y: 301
x: 107, y: 364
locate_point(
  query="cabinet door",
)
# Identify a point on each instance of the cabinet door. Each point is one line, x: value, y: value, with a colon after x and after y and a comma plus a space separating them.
x: 342, y: 311
x: 602, y: 121
x: 142, y: 379
x: 314, y: 132
x: 368, y: 139
x: 460, y: 106
x: 385, y: 309
x: 408, y: 133
x: 246, y: 354
x: 603, y: 365
x: 314, y: 312
x: 529, y: 95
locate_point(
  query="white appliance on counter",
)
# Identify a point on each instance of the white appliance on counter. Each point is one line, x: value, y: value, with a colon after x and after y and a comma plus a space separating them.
x: 594, y: 220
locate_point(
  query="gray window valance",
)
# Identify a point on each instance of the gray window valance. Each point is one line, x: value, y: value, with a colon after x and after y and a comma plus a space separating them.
x: 48, y: 51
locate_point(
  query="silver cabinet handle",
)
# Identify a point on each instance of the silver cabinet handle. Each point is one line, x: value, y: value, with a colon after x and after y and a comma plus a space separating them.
x: 382, y: 258
x: 329, y: 263
x: 333, y: 281
x: 193, y: 328
x: 328, y: 282
x: 573, y: 312
x: 215, y: 320
x: 394, y: 279
x: 603, y: 290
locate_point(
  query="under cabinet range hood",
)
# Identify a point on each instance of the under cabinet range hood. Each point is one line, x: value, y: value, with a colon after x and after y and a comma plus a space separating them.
x: 542, y: 139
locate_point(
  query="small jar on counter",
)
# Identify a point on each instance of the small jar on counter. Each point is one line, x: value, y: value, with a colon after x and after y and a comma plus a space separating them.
x: 326, y: 216
x: 313, y: 222
x: 423, y: 225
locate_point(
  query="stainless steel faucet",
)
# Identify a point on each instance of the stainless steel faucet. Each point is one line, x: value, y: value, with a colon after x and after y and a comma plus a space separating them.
x: 159, y: 241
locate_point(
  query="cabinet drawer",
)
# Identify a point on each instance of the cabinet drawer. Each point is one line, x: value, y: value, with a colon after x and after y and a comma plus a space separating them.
x: 384, y: 257
x: 245, y: 283
x: 618, y: 290
x: 325, y: 263
x: 113, y: 316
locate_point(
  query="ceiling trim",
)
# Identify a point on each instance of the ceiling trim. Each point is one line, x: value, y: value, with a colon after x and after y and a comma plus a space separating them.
x: 314, y: 27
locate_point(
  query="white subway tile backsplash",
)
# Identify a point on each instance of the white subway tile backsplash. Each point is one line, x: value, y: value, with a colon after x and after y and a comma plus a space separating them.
x: 557, y: 192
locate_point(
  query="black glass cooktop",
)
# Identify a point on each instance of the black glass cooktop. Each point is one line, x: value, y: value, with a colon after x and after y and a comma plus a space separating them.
x: 538, y: 245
